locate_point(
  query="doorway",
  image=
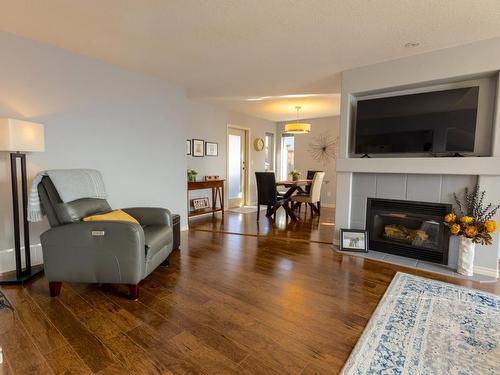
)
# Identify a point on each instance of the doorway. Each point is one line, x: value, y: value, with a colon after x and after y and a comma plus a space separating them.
x: 237, y: 176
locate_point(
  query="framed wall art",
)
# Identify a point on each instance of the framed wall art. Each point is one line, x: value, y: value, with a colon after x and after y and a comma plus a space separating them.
x: 211, y: 149
x: 198, y: 147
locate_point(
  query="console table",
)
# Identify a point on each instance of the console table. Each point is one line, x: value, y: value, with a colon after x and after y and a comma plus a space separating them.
x: 217, y: 187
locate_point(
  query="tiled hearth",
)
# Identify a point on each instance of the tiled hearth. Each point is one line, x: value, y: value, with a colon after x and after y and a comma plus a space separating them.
x: 418, y: 264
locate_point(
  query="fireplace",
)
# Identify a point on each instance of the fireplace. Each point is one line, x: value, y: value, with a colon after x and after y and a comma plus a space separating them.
x: 407, y: 228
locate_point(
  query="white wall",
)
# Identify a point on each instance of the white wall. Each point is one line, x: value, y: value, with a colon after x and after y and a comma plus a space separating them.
x: 304, y: 161
x: 459, y: 63
x: 210, y: 124
x: 128, y: 125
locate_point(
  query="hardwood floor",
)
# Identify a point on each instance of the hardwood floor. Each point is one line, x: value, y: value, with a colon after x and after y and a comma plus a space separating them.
x: 316, y: 229
x: 227, y: 304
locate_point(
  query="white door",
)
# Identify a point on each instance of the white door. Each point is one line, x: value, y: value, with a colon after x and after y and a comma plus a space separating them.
x: 236, y: 166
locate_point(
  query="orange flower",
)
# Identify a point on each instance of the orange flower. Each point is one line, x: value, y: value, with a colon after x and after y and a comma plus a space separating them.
x: 490, y: 225
x: 466, y: 220
x: 455, y: 229
x: 450, y: 218
x: 471, y: 231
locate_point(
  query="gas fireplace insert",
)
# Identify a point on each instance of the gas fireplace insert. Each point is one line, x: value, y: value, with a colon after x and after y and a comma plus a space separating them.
x: 408, y: 228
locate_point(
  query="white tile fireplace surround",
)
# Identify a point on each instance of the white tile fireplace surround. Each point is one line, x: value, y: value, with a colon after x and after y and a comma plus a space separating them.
x: 416, y: 187
x: 353, y: 188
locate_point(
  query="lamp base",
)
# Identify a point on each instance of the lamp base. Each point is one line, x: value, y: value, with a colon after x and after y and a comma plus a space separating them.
x: 11, y: 278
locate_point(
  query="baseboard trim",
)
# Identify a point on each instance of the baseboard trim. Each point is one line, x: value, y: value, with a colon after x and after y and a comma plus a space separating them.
x: 486, y: 271
x: 328, y: 205
x: 8, y: 261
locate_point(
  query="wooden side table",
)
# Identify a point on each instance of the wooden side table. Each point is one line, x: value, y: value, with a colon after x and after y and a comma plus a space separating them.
x: 217, y: 187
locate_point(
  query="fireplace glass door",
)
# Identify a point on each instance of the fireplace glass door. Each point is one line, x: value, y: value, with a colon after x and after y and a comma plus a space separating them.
x: 408, y: 228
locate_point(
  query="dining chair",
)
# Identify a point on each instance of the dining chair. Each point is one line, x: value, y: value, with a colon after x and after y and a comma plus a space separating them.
x: 307, y: 191
x: 267, y: 194
x: 314, y: 196
x: 310, y: 176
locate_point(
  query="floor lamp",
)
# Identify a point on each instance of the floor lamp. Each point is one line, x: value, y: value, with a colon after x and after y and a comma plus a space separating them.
x: 19, y: 137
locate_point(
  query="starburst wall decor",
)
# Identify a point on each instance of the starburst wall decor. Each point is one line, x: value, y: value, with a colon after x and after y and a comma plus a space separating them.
x: 323, y: 148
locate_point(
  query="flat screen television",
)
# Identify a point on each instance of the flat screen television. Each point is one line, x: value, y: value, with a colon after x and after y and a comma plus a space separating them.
x: 435, y: 122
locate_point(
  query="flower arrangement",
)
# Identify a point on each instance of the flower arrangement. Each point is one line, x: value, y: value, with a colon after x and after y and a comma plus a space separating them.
x: 474, y: 219
x: 295, y: 174
x: 191, y: 174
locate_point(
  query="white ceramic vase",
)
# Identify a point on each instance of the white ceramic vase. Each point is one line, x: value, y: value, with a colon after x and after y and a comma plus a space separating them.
x: 466, y: 249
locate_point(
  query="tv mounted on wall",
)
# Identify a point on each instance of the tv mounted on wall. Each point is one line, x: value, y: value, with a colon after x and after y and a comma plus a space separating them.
x: 435, y: 122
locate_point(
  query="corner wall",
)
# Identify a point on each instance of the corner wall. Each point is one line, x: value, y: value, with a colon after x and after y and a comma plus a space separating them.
x: 130, y: 126
x: 210, y: 123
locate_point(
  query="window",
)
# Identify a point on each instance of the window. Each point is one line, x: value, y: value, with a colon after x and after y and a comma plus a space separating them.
x: 287, y: 155
x: 269, y: 152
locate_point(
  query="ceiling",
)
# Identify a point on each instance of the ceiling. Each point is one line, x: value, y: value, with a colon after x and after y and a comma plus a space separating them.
x: 227, y: 51
x: 282, y: 108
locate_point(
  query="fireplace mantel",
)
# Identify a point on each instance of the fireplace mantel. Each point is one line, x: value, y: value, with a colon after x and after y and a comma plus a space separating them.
x: 486, y: 166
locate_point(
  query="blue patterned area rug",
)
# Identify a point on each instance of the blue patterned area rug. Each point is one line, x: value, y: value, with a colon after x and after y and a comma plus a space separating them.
x: 422, y: 326
x: 4, y: 303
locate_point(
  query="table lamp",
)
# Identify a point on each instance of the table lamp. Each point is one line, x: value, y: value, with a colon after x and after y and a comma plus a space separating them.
x: 19, y: 137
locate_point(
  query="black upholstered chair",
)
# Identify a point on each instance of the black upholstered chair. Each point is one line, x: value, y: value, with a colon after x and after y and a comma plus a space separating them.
x: 267, y: 193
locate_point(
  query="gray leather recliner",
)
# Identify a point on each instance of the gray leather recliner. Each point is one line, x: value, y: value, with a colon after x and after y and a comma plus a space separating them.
x: 111, y: 252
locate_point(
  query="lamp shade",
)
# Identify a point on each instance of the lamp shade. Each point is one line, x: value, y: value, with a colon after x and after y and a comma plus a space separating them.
x: 22, y: 136
x: 297, y: 128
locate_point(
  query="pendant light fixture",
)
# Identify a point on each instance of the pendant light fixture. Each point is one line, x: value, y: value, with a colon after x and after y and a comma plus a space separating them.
x: 297, y: 127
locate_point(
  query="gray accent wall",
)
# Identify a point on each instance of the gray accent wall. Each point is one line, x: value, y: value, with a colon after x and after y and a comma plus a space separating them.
x: 412, y: 187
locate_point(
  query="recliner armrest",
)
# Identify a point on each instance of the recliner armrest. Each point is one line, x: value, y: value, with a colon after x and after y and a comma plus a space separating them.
x: 97, y: 251
x: 150, y: 215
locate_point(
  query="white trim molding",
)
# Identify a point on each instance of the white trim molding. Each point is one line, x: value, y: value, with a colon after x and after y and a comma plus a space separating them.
x: 493, y: 272
x: 455, y: 166
x: 328, y: 205
x: 184, y: 228
x: 8, y: 261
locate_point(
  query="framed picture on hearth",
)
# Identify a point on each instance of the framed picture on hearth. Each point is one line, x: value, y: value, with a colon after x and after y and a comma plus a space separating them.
x: 354, y: 240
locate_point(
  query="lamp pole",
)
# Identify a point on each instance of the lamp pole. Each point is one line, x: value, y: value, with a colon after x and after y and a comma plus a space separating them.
x: 22, y: 275
x: 22, y: 136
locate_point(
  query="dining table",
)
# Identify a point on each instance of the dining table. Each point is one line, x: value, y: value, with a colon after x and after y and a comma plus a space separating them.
x: 292, y: 187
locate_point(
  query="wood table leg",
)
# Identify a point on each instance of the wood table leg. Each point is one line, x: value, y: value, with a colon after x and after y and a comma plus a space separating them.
x: 213, y: 202
x: 290, y: 212
x: 222, y: 199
